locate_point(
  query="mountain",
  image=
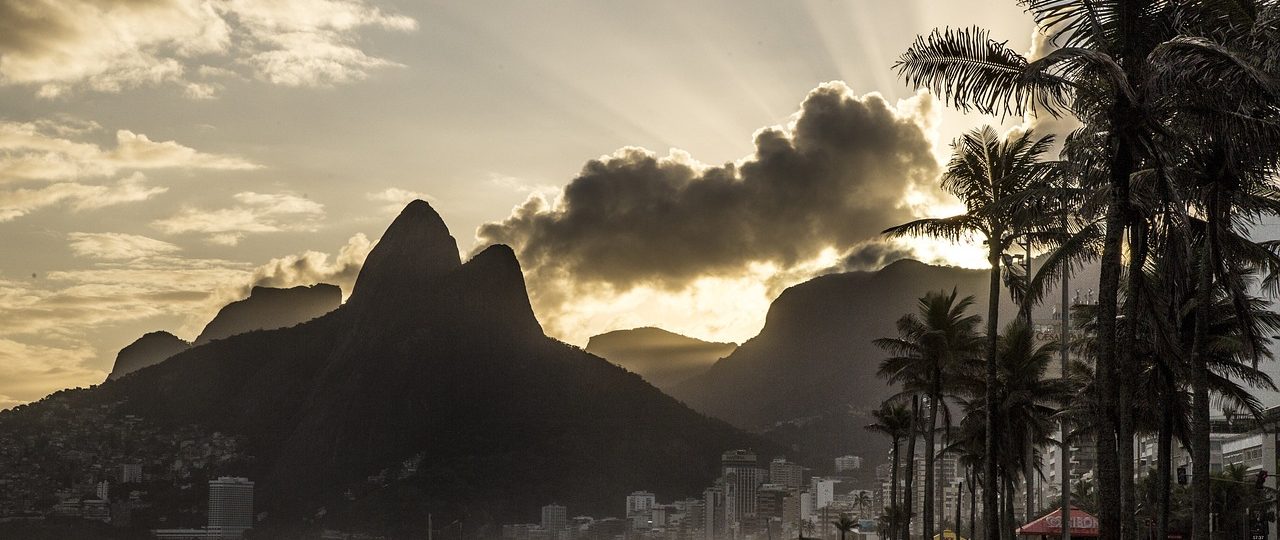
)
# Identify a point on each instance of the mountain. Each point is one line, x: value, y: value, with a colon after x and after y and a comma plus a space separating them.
x: 148, y: 350
x: 809, y: 377
x: 663, y: 358
x: 433, y: 389
x: 268, y: 308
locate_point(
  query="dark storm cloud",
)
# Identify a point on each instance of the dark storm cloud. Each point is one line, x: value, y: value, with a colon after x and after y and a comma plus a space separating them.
x: 871, y: 255
x: 835, y: 177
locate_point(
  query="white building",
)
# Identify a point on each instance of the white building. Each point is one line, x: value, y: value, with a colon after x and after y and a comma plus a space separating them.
x: 555, y: 518
x: 639, y: 502
x: 230, y: 506
x: 822, y: 492
x: 848, y: 463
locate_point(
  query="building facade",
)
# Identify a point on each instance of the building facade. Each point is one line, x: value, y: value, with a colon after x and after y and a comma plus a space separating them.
x: 231, y: 506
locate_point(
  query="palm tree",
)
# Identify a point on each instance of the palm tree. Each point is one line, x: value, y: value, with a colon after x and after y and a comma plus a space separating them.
x: 990, y: 176
x: 908, y: 482
x: 863, y: 501
x: 845, y: 525
x: 1028, y: 401
x: 805, y: 526
x: 1109, y: 74
x: 931, y: 345
x: 892, y: 419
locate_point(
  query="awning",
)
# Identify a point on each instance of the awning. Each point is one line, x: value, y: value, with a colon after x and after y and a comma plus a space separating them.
x: 1082, y: 524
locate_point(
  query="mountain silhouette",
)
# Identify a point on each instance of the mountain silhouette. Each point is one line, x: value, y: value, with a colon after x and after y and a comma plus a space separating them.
x: 809, y: 377
x: 268, y: 308
x: 148, y: 350
x: 441, y: 362
x: 663, y: 358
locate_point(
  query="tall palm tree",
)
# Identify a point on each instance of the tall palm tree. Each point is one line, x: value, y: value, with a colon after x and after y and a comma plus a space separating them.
x: 1108, y: 74
x: 1028, y: 400
x: 845, y: 525
x: 893, y: 419
x: 932, y: 344
x: 908, y: 482
x: 991, y: 176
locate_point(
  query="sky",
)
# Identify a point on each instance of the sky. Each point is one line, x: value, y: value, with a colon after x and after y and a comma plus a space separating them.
x: 665, y: 163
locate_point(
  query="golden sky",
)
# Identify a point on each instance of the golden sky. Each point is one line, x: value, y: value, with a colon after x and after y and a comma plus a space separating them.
x: 158, y: 158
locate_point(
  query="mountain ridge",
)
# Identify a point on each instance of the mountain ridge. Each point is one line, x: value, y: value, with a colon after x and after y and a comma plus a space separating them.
x: 662, y: 357
x: 443, y: 362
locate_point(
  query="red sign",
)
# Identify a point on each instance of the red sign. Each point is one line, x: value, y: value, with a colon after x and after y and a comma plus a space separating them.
x: 1082, y: 524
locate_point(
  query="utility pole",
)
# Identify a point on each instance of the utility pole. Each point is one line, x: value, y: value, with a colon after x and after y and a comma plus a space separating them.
x: 429, y: 526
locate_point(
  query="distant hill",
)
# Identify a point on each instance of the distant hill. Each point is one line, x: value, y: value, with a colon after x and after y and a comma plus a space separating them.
x: 268, y: 308
x: 809, y: 377
x: 663, y: 358
x: 148, y: 350
x: 437, y: 363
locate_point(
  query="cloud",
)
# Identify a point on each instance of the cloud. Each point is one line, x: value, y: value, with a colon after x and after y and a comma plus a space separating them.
x: 110, y: 45
x: 118, y: 246
x: 310, y: 267
x: 28, y: 370
x: 15, y: 203
x: 396, y: 198
x: 44, y: 150
x: 49, y: 321
x: 636, y: 237
x: 254, y: 213
x: 837, y: 175
x: 872, y: 255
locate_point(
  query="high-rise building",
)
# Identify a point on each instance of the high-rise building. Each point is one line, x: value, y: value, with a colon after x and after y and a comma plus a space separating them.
x: 771, y: 501
x: 230, y: 506
x: 130, y: 473
x: 639, y: 502
x: 742, y: 476
x: 103, y: 490
x: 848, y: 463
x: 785, y: 473
x: 554, y: 517
x: 713, y: 512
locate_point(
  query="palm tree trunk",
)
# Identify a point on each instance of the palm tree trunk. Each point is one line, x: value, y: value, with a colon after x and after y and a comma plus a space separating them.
x: 1105, y: 376
x: 1128, y: 372
x: 1010, y: 525
x: 990, y: 515
x: 973, y: 507
x: 1164, y: 468
x: 893, y: 489
x: 928, y: 464
x: 909, y: 481
x: 1028, y: 477
x: 1200, y: 495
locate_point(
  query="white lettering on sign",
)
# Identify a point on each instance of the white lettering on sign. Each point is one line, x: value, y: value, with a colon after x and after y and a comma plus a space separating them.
x: 1077, y: 522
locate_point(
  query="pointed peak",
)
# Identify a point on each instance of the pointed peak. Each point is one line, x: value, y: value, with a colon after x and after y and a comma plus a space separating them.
x: 415, y: 250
